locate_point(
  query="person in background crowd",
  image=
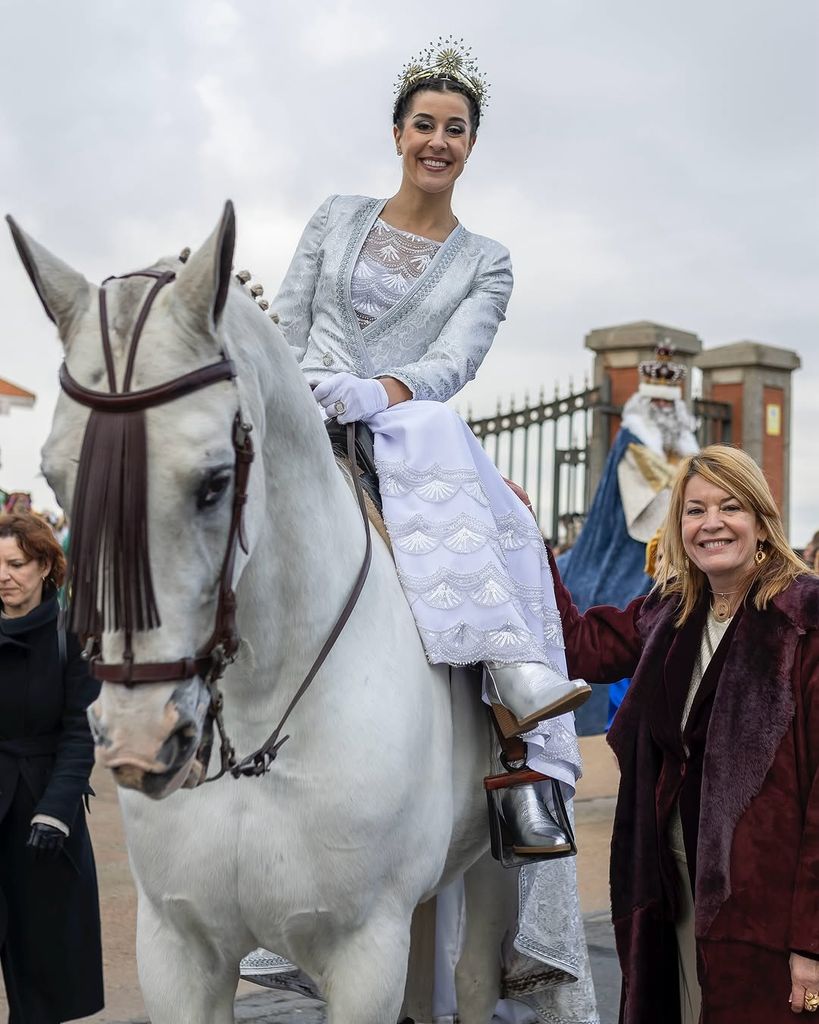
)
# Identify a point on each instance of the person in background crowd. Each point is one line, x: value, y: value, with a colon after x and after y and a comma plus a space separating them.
x: 607, y: 562
x: 50, y: 925
x: 811, y: 552
x: 715, y: 850
x: 17, y: 501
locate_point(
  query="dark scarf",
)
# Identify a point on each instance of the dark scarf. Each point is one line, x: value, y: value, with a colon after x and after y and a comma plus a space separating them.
x: 45, y: 612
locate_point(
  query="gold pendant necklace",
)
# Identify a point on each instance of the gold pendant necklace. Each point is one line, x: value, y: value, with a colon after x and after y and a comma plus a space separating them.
x: 721, y: 606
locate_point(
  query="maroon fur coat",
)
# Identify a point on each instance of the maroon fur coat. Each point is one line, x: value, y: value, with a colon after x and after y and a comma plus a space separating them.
x: 756, y: 841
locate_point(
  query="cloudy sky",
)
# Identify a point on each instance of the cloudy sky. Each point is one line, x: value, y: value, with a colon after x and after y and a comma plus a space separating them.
x: 641, y: 160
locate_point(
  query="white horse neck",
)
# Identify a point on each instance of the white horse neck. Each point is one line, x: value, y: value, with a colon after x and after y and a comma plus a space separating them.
x: 312, y: 542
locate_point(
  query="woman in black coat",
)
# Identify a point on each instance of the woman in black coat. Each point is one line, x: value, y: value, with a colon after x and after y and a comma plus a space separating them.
x: 49, y: 909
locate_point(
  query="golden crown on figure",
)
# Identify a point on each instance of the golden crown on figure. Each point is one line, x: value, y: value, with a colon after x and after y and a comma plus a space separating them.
x: 661, y: 377
x: 448, y: 58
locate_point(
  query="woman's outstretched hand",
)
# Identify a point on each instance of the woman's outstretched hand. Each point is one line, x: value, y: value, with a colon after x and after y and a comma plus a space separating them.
x: 804, y: 983
x: 350, y: 399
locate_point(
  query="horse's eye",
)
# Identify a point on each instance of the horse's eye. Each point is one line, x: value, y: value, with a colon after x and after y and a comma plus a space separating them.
x: 212, y: 489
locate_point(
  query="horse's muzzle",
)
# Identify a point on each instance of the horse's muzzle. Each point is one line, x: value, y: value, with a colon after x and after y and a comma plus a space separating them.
x: 154, y: 757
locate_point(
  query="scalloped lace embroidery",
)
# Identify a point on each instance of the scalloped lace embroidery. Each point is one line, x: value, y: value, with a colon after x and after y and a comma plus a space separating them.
x: 434, y: 484
x: 464, y: 534
x: 389, y: 263
x: 489, y: 586
x: 463, y: 644
x: 556, y: 739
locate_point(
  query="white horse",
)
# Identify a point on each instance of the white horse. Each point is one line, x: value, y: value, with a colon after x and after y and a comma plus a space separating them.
x: 375, y: 801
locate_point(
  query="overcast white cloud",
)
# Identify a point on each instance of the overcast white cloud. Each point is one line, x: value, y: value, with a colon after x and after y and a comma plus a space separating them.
x: 640, y: 160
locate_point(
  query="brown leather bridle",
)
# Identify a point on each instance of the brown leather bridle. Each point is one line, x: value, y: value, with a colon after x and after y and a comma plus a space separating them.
x: 222, y: 648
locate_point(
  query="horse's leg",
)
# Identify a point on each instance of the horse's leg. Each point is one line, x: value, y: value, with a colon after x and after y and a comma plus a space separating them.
x: 491, y: 911
x: 183, y: 981
x: 365, y: 974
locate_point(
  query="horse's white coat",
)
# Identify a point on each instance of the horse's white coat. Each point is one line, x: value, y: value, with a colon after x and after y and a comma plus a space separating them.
x: 367, y: 808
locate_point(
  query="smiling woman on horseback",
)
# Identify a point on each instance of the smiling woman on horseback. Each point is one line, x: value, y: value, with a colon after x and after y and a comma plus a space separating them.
x: 390, y: 307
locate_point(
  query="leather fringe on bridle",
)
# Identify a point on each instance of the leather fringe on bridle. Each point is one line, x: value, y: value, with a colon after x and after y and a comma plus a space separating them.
x: 109, y: 571
x: 109, y: 561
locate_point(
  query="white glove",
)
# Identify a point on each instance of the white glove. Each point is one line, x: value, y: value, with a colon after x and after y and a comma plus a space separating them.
x: 349, y: 399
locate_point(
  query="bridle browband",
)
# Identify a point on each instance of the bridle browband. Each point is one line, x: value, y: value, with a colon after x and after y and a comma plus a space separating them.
x: 136, y: 606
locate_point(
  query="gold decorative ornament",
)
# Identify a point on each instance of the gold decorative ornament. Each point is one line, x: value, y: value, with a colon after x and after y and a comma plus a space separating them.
x: 449, y: 59
x: 721, y: 607
x: 760, y: 555
x: 811, y: 1001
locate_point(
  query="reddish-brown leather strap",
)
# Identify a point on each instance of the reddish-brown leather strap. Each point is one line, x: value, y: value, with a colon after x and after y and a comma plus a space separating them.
x: 260, y: 760
x: 513, y: 748
x: 506, y: 779
x: 132, y: 673
x: 134, y: 401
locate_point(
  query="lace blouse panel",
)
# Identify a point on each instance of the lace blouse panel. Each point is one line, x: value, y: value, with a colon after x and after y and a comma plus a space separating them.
x: 389, y: 263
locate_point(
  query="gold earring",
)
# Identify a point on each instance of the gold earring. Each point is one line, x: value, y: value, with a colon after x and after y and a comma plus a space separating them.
x: 760, y: 555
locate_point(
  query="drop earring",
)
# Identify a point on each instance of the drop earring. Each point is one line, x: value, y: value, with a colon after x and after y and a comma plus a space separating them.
x: 761, y: 554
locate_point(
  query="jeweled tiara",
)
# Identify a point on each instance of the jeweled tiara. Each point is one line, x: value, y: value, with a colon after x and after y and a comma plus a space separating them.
x: 450, y: 59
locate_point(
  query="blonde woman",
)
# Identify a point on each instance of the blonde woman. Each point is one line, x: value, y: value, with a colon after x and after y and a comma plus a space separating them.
x: 715, y: 852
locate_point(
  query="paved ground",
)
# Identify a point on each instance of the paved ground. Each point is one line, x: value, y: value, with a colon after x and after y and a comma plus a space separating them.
x: 594, y: 809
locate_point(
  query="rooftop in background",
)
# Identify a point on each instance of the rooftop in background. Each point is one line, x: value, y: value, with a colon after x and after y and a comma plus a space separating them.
x: 12, y: 395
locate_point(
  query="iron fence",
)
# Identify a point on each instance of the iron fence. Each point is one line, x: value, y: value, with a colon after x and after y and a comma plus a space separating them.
x: 545, y: 448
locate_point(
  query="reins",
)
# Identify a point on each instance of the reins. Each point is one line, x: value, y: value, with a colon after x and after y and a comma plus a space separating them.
x: 109, y: 572
x: 260, y: 760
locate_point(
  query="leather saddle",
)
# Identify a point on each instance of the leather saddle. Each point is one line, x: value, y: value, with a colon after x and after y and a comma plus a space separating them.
x: 364, y: 453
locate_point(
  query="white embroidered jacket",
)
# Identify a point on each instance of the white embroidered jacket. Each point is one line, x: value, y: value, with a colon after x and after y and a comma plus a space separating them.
x: 433, y: 339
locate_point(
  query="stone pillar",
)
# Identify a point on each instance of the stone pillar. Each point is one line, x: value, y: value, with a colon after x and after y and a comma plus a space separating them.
x: 618, y: 351
x: 755, y: 379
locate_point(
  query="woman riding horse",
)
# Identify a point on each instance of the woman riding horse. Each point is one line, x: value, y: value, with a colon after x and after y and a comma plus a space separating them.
x: 390, y: 307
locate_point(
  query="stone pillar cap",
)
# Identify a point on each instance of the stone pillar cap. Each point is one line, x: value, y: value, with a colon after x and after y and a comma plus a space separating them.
x: 748, y: 353
x: 642, y: 334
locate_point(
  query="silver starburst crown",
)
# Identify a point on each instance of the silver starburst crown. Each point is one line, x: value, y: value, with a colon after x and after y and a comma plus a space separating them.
x: 448, y: 58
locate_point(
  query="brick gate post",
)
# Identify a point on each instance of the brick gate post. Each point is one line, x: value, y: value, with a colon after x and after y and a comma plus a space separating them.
x: 755, y: 379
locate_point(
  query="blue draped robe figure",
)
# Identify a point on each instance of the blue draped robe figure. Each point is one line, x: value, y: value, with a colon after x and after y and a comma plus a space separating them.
x: 605, y: 566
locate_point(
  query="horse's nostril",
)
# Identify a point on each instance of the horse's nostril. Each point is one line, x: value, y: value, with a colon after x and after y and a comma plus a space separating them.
x: 179, y: 745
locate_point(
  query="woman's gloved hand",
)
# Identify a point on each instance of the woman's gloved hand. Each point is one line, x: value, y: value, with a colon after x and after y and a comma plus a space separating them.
x: 351, y: 399
x: 45, y: 841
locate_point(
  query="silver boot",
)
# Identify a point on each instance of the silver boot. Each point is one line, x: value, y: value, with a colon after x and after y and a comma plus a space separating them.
x: 532, y: 828
x: 525, y: 693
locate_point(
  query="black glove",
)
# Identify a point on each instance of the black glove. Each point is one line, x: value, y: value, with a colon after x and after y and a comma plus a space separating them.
x: 45, y: 841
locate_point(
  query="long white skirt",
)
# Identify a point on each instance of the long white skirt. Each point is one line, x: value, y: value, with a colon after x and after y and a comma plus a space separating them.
x: 471, y: 559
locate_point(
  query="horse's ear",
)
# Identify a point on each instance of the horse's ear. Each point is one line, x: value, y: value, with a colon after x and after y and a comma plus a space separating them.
x: 202, y: 285
x: 63, y: 291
